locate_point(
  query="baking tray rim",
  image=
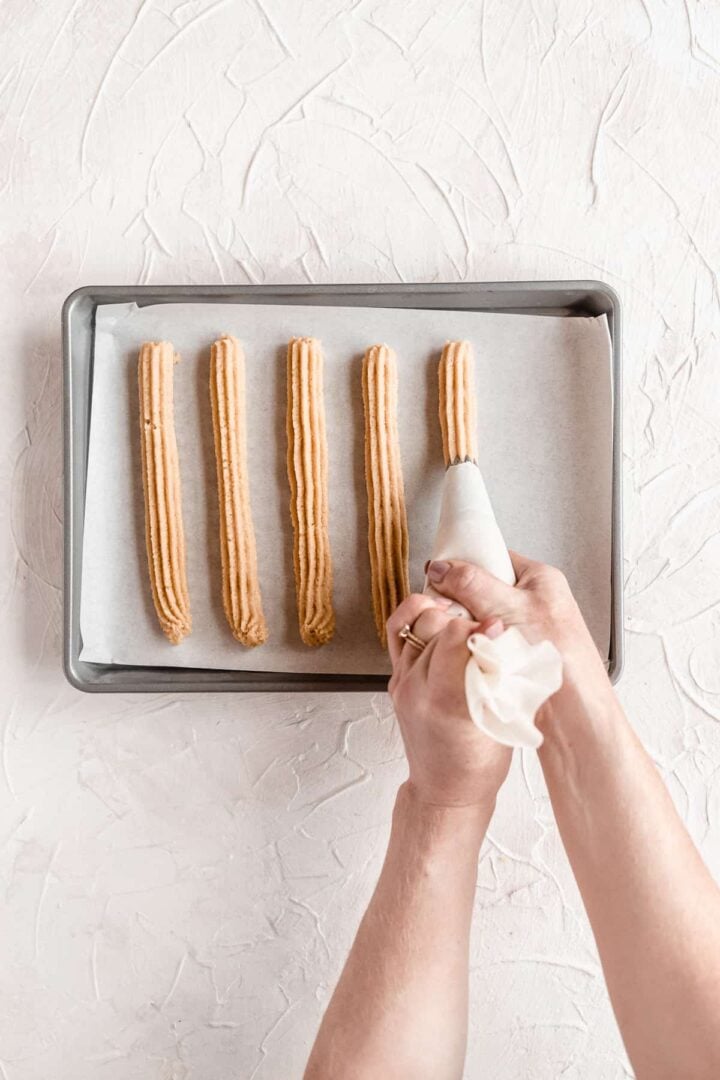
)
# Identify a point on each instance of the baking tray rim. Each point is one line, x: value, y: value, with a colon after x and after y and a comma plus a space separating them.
x: 487, y: 296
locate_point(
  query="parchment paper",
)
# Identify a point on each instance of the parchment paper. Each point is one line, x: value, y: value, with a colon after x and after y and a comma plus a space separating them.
x: 544, y: 403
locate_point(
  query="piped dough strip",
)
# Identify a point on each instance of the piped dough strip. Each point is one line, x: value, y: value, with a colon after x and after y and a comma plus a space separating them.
x: 164, y: 535
x: 308, y: 476
x: 238, y: 552
x: 387, y: 517
x: 456, y: 377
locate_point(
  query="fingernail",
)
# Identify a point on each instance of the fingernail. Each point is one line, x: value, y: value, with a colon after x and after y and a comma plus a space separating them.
x: 426, y: 566
x: 495, y: 629
x: 436, y: 571
x: 443, y: 602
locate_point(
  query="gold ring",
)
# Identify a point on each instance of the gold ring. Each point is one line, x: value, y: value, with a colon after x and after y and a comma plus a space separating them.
x: 412, y: 639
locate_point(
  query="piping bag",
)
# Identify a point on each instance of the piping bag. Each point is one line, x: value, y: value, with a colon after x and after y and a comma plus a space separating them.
x: 506, y: 678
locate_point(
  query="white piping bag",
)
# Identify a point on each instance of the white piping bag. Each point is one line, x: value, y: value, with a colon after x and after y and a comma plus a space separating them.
x: 506, y: 678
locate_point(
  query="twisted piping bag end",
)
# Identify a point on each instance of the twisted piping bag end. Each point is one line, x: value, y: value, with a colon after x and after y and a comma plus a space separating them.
x: 506, y: 681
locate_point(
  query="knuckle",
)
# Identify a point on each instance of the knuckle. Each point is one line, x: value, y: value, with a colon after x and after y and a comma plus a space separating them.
x: 399, y: 693
x: 463, y: 577
x: 554, y: 576
x: 396, y: 681
x: 429, y: 623
x: 554, y: 594
x: 457, y: 631
x: 556, y: 584
x: 453, y: 638
x: 408, y: 612
x: 404, y: 610
x: 396, y: 619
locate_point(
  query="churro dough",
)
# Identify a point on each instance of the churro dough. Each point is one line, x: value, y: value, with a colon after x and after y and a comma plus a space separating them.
x: 241, y: 588
x: 164, y: 533
x: 387, y: 518
x: 457, y: 402
x: 307, y: 472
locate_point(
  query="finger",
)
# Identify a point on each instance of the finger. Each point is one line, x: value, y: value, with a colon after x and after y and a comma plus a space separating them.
x: 522, y: 564
x: 427, y: 626
x: 492, y: 628
x: 479, y: 591
x: 417, y: 668
x: 450, y: 655
x: 430, y: 622
x: 405, y: 613
x: 456, y: 633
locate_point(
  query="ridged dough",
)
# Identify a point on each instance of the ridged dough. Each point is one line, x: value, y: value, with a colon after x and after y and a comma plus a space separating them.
x: 307, y: 473
x: 164, y: 534
x: 241, y: 587
x: 387, y: 517
x: 457, y: 403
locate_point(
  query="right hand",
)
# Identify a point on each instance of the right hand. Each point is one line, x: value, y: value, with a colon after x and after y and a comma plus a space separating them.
x: 542, y: 606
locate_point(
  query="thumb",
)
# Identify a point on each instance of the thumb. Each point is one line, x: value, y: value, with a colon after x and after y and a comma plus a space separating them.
x: 480, y: 592
x: 522, y: 564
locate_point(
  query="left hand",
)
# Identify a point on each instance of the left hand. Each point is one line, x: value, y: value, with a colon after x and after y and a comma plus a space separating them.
x: 452, y: 763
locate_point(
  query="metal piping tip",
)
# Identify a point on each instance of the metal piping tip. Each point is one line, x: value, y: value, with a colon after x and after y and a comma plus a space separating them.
x: 462, y: 461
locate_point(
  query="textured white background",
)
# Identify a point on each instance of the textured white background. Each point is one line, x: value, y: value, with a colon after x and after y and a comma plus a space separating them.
x: 181, y: 876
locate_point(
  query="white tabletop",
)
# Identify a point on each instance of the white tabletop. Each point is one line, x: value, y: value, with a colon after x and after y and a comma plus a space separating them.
x: 183, y: 875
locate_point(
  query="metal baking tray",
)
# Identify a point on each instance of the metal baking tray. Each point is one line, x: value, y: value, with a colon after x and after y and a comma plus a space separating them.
x: 78, y: 329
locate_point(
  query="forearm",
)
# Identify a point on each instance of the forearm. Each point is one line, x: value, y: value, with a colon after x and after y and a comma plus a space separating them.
x: 654, y: 908
x: 400, y: 1008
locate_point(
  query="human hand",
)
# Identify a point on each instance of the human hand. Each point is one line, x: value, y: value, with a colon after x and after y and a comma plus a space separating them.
x: 542, y: 606
x: 452, y: 762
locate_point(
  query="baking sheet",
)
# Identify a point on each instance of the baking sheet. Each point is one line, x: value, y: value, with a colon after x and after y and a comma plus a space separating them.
x: 545, y: 433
